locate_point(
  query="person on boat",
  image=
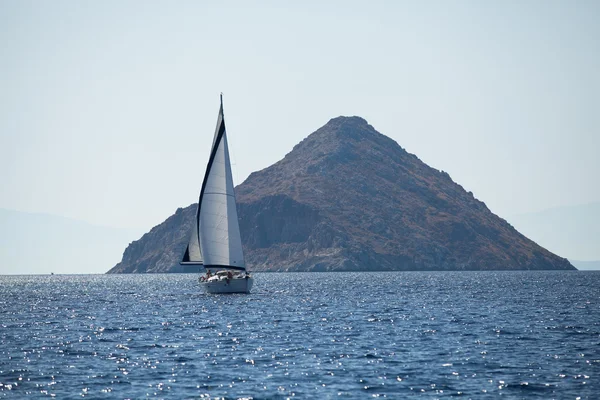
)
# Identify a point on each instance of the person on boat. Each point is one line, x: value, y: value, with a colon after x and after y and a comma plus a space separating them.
x: 228, y: 277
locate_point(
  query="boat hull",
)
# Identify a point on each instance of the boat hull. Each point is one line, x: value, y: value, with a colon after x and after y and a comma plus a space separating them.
x: 242, y: 285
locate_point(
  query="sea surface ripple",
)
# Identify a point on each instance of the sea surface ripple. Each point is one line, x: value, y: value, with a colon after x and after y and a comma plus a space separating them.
x: 303, y: 335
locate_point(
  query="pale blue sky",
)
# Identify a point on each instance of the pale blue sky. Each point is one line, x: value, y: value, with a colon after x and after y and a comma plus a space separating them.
x: 107, y: 108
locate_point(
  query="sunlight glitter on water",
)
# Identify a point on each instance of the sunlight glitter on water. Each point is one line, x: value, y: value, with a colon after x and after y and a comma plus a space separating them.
x: 431, y: 334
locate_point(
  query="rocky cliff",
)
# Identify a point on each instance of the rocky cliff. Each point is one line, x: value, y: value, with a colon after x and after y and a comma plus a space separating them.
x: 348, y: 198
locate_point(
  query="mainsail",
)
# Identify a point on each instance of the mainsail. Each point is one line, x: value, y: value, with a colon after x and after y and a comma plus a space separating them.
x: 217, y: 229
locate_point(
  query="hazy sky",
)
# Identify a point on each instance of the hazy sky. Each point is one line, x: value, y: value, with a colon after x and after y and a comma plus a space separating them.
x: 107, y: 108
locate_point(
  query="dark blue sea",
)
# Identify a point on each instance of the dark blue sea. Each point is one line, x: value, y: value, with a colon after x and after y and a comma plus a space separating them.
x: 303, y: 335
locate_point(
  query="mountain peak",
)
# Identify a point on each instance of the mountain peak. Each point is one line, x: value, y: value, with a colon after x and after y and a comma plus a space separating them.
x: 342, y: 135
x: 348, y: 120
x: 347, y: 127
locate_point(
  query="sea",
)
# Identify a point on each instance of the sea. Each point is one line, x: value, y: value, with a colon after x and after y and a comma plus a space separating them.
x: 519, y: 335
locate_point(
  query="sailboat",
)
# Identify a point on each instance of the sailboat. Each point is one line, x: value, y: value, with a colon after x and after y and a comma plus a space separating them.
x: 215, y: 241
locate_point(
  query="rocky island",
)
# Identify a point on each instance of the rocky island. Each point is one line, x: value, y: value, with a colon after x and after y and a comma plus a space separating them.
x: 348, y: 198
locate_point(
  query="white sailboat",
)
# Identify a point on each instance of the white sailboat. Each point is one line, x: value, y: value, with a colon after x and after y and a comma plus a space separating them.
x: 215, y: 241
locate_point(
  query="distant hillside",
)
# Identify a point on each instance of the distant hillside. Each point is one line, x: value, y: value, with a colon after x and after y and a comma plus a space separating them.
x: 41, y: 243
x: 572, y: 231
x: 348, y: 198
x: 586, y: 265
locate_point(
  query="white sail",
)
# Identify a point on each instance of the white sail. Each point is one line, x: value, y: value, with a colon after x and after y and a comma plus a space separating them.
x: 218, y: 226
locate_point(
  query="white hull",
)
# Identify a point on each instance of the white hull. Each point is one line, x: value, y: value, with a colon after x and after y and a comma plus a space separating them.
x: 238, y: 285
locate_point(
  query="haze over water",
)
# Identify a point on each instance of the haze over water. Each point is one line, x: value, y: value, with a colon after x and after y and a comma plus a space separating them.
x: 305, y: 335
